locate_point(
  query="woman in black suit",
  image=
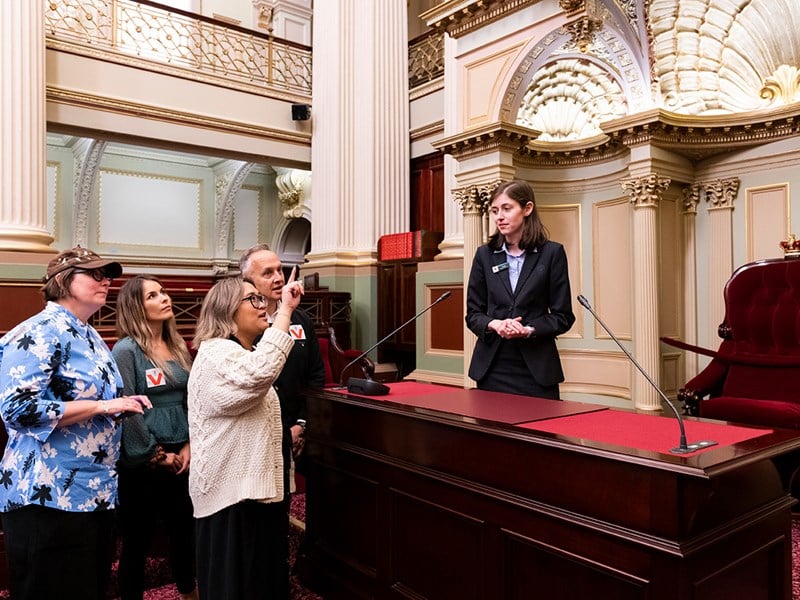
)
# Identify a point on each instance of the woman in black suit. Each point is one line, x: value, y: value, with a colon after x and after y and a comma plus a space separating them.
x: 518, y: 300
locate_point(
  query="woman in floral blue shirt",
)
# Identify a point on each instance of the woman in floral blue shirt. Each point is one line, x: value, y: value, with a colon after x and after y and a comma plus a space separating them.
x: 59, y: 403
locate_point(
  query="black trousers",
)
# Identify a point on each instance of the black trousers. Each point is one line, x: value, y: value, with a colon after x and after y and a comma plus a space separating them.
x: 151, y: 498
x: 58, y: 554
x: 243, y: 552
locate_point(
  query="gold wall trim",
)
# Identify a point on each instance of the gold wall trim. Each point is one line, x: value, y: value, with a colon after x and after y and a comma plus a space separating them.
x: 146, y: 111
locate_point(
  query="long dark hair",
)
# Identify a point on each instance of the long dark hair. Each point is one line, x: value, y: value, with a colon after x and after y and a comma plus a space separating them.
x: 132, y: 322
x: 534, y: 233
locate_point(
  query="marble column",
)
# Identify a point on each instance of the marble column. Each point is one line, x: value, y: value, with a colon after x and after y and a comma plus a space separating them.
x: 452, y: 245
x: 360, y: 149
x: 23, y: 202
x: 720, y: 195
x: 474, y: 202
x: 691, y: 198
x: 645, y: 194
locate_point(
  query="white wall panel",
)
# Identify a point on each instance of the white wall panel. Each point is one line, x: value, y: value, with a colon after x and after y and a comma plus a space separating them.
x: 148, y: 211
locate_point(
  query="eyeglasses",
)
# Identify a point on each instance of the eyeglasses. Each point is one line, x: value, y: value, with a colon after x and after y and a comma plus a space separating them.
x: 96, y: 274
x: 256, y: 300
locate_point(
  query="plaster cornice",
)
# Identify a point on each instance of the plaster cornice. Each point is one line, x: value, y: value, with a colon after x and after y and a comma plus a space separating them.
x: 489, y: 138
x: 126, y: 107
x: 460, y: 17
x: 698, y: 137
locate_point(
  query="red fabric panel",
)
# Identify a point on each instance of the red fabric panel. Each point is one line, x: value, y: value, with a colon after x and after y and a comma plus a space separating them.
x: 768, y: 383
x: 769, y: 413
x: 641, y: 431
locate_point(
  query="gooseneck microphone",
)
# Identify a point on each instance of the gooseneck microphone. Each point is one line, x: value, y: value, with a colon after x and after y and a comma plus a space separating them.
x: 683, y: 447
x: 370, y: 387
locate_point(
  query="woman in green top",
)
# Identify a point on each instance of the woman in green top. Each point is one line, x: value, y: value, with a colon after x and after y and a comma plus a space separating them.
x: 154, y: 461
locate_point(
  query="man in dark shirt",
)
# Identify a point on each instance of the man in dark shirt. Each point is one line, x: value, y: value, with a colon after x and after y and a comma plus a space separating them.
x: 304, y: 366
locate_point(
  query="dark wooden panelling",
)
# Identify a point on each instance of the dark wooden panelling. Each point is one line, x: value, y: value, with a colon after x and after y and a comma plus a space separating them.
x: 447, y: 321
x: 516, y: 514
x: 427, y: 193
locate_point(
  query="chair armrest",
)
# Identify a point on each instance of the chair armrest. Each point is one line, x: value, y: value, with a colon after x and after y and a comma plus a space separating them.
x: 340, y: 361
x: 707, y: 383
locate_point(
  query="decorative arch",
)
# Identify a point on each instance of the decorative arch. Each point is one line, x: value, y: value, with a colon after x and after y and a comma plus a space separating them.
x: 580, y: 74
x: 293, y: 241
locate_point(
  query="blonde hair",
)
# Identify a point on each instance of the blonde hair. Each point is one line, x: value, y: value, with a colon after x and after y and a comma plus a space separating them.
x: 217, y: 313
x: 132, y: 322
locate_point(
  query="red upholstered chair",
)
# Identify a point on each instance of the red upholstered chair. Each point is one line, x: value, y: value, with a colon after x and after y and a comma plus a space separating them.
x: 755, y: 376
x: 336, y: 360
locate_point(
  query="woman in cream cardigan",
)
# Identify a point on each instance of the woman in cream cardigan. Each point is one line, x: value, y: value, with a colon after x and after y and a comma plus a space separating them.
x: 236, y: 479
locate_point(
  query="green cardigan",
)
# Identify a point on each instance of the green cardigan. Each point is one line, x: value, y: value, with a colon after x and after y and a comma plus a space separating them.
x: 166, y: 422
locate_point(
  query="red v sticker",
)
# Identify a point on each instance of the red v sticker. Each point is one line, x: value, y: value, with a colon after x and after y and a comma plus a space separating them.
x: 297, y: 332
x: 154, y: 377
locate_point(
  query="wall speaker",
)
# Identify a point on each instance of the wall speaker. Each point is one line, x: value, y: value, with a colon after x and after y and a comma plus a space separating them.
x: 301, y: 112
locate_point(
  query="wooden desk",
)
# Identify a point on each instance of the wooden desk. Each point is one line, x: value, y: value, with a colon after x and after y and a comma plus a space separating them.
x: 407, y: 500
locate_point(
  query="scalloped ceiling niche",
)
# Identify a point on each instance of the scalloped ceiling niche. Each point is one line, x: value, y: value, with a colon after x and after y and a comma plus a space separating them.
x: 567, y: 100
x: 725, y: 56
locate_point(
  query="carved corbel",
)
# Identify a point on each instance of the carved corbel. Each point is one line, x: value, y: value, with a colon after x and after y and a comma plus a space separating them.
x: 291, y: 186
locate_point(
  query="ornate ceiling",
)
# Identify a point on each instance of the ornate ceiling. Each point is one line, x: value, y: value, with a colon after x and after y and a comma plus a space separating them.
x: 616, y: 58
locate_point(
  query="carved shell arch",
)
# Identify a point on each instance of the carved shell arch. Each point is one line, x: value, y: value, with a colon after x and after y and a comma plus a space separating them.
x: 565, y: 93
x: 708, y: 61
x: 568, y: 99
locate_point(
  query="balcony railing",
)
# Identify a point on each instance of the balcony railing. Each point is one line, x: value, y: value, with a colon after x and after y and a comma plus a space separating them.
x: 140, y: 33
x: 186, y: 45
x: 425, y: 58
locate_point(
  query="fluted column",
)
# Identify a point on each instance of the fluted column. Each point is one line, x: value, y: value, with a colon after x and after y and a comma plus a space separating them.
x: 360, y: 148
x: 645, y: 193
x: 23, y: 202
x: 720, y: 195
x: 473, y: 201
x: 691, y: 198
x: 452, y: 245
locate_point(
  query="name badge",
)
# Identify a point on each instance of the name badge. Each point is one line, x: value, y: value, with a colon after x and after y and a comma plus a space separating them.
x: 500, y: 267
x: 154, y: 377
x: 297, y: 332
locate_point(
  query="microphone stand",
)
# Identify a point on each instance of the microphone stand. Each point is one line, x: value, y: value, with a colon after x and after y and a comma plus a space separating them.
x: 683, y: 447
x: 370, y: 387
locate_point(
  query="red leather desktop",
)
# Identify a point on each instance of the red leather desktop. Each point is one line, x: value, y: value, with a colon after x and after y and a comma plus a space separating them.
x: 438, y: 492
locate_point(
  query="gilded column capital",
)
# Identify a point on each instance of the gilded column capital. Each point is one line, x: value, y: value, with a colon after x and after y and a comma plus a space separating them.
x: 646, y: 191
x: 720, y: 193
x: 474, y: 199
x: 691, y: 198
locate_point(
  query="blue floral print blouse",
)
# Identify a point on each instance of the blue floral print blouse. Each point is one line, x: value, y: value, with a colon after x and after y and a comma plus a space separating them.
x: 46, y: 361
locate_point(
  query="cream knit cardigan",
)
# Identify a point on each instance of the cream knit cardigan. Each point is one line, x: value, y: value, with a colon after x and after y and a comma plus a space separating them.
x: 235, y: 423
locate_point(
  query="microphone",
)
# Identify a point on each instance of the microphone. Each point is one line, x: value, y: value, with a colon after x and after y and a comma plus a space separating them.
x: 683, y: 447
x: 370, y: 387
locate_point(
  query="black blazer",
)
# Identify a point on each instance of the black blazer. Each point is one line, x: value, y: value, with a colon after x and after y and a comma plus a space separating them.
x: 542, y: 298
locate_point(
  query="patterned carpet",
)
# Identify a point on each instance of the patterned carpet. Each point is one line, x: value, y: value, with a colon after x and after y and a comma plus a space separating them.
x: 159, y: 575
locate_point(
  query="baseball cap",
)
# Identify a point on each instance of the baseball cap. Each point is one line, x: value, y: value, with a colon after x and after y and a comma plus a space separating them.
x: 81, y: 258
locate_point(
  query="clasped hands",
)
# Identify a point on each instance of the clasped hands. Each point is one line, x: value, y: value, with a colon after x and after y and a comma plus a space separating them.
x: 510, y: 328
